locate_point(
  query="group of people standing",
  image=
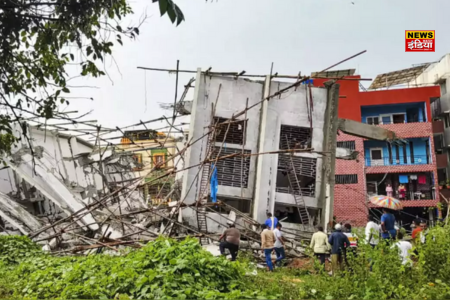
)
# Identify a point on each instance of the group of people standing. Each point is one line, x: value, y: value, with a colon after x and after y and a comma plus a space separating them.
x: 342, y: 240
x: 338, y: 244
x: 272, y: 240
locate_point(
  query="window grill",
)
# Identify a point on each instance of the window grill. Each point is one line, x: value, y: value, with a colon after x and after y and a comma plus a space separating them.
x: 305, y: 169
x: 235, y: 134
x: 348, y: 145
x: 295, y: 137
x: 229, y: 169
x: 346, y: 179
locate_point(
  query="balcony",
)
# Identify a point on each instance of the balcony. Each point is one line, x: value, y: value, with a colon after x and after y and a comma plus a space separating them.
x: 441, y: 160
x: 401, y: 161
x: 438, y: 126
x: 418, y: 187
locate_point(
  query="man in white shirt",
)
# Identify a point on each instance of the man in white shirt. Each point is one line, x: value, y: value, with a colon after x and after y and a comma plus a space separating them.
x: 372, y: 232
x: 279, y: 245
x: 405, y: 249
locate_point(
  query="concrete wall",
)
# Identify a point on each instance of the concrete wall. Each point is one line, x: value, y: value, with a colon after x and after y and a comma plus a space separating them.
x: 263, y: 134
x: 231, y: 100
x: 289, y: 109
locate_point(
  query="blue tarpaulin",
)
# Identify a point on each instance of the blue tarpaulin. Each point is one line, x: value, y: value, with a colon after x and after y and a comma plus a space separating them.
x: 214, y: 185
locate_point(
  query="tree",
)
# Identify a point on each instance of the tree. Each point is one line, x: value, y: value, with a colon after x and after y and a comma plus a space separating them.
x: 40, y: 38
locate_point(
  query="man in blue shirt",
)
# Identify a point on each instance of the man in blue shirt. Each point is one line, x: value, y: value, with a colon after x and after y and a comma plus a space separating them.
x: 339, y: 242
x: 271, y: 222
x: 388, y: 231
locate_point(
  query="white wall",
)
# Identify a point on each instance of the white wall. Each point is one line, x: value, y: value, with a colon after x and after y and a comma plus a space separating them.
x: 263, y: 134
x: 231, y: 100
x: 289, y: 109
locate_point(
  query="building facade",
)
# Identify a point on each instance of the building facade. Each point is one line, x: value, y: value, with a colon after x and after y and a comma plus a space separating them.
x: 257, y: 184
x: 150, y: 148
x: 408, y: 168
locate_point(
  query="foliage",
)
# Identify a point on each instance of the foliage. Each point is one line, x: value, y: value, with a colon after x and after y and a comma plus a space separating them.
x: 162, y: 269
x: 41, y: 38
x: 170, y: 269
x: 427, y: 278
x: 14, y: 249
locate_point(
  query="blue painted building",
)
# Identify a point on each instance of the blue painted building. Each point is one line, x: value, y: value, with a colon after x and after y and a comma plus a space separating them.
x: 416, y: 151
x: 394, y: 113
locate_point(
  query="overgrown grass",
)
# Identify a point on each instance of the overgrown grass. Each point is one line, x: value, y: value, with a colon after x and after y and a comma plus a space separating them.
x: 170, y: 269
x: 427, y: 278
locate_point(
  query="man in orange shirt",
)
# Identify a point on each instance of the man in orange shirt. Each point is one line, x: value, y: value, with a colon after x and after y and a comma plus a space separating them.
x: 417, y: 229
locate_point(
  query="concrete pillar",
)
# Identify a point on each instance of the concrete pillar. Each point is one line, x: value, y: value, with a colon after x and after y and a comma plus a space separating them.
x: 326, y: 197
x: 263, y: 197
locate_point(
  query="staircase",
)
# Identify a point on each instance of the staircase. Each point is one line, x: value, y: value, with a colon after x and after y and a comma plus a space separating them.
x: 204, y: 191
x: 296, y: 189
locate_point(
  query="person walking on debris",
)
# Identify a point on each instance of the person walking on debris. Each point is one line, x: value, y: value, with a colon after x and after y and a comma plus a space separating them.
x: 372, y: 232
x: 267, y: 244
x: 279, y: 245
x: 339, y: 242
x: 271, y: 221
x: 388, y: 225
x: 319, y: 244
x: 232, y: 238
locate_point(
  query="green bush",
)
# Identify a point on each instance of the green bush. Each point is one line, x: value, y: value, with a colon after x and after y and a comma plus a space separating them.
x: 162, y: 269
x: 427, y: 278
x: 14, y: 249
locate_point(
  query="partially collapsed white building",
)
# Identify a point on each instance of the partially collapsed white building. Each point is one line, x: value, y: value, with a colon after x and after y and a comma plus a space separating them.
x: 257, y: 184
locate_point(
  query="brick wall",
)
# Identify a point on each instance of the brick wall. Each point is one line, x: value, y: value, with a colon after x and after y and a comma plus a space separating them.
x: 350, y: 199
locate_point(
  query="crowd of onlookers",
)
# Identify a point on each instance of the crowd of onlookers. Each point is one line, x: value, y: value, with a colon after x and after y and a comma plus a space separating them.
x: 343, y: 240
x: 336, y: 246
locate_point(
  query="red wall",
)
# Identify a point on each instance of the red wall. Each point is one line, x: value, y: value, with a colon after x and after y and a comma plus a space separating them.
x: 350, y: 199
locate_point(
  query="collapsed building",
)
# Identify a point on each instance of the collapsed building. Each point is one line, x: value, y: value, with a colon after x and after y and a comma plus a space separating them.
x: 51, y: 175
x: 269, y: 145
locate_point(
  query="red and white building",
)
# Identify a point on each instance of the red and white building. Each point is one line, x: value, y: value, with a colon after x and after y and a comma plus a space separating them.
x: 411, y: 168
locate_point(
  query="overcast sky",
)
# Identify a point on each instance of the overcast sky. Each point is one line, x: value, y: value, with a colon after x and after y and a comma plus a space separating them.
x: 235, y: 35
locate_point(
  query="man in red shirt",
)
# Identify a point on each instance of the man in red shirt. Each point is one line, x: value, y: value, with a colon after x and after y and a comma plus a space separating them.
x: 417, y: 229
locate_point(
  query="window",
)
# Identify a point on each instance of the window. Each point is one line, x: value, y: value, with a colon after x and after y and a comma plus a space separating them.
x: 443, y: 86
x: 294, y: 137
x: 398, y: 118
x: 405, y: 156
x: 438, y: 143
x: 376, y: 157
x: 386, y: 119
x: 159, y: 159
x: 373, y: 120
x: 411, y: 149
x: 397, y: 152
x: 447, y: 121
x: 229, y: 169
x: 348, y: 145
x: 137, y: 158
x: 234, y: 131
x: 346, y: 179
x: 305, y: 169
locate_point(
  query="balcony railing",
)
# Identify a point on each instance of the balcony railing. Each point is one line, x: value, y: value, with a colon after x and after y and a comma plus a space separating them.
x: 400, y: 161
x: 306, y: 191
x: 423, y: 194
x: 410, y: 120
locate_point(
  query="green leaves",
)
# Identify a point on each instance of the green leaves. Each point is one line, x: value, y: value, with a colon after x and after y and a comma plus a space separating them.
x: 173, y: 11
x: 162, y: 269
